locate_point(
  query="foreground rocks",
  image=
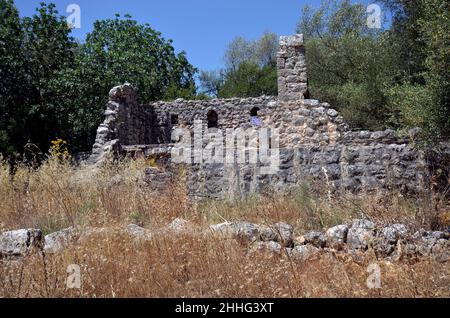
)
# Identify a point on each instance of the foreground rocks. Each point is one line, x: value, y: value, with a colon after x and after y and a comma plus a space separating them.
x: 60, y: 240
x: 394, y: 242
x: 20, y: 242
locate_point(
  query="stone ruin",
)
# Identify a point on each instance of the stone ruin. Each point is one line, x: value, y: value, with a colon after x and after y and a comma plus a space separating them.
x: 314, y: 142
x: 358, y: 238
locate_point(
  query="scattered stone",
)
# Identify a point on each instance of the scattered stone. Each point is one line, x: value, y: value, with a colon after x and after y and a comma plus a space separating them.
x: 179, y: 226
x: 303, y: 253
x: 272, y: 247
x: 360, y: 235
x: 384, y: 243
x: 332, y: 113
x: 316, y: 239
x: 281, y: 232
x: 393, y: 233
x: 138, y: 232
x: 267, y: 233
x: 243, y: 230
x: 390, y: 243
x: 58, y: 241
x: 20, y: 242
x: 246, y: 230
x: 336, y: 236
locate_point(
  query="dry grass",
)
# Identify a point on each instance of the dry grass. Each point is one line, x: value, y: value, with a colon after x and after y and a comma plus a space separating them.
x: 57, y: 196
x: 191, y: 267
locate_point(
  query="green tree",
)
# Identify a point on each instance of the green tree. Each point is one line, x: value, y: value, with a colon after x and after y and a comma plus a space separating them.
x: 250, y: 69
x: 53, y: 87
x: 249, y: 80
x: 424, y: 59
x: 396, y: 77
x: 34, y: 50
x: 117, y: 51
x: 12, y: 75
x: 211, y: 82
x: 348, y: 63
x: 49, y: 50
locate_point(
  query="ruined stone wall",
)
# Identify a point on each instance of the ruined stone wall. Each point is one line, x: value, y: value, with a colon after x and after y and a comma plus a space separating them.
x: 315, y: 143
x: 355, y: 168
x: 231, y: 113
x: 126, y: 123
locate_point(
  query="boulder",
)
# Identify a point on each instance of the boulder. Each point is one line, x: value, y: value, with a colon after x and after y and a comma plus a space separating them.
x: 60, y: 240
x: 20, y: 242
x: 267, y: 233
x: 316, y: 239
x: 361, y: 234
x: 393, y: 233
x: 272, y: 247
x: 386, y: 239
x: 179, y: 226
x: 243, y: 230
x: 336, y: 236
x: 431, y: 243
x: 282, y: 233
x: 303, y: 253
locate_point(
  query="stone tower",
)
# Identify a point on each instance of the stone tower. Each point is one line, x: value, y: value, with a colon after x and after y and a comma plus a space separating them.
x: 291, y: 64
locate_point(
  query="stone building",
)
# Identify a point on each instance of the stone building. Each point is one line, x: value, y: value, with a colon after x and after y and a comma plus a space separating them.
x: 313, y: 141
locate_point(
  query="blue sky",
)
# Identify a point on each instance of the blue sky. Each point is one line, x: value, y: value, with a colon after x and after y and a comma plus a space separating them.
x: 202, y: 28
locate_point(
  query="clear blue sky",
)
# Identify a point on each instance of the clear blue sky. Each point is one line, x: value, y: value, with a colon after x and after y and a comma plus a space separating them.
x: 202, y: 28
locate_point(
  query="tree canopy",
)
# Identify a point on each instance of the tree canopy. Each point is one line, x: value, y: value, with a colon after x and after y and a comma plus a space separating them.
x: 250, y: 69
x: 54, y: 87
x: 395, y: 77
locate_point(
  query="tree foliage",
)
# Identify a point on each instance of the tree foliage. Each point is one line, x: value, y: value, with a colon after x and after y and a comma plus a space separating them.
x: 117, y: 51
x: 250, y: 69
x: 54, y: 87
x: 395, y: 77
x: 35, y: 50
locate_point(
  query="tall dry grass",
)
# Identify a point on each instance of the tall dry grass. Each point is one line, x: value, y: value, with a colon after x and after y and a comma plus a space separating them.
x: 185, y: 266
x: 57, y: 195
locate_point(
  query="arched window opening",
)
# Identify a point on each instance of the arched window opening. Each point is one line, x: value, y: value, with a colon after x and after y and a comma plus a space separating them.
x: 174, y: 119
x: 212, y: 119
x: 254, y: 119
x: 254, y: 112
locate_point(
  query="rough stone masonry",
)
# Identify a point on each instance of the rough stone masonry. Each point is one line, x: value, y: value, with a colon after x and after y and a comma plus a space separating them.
x: 314, y: 141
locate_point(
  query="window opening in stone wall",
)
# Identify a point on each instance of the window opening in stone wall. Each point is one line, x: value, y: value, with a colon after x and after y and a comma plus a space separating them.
x: 212, y: 119
x: 174, y: 119
x: 254, y: 118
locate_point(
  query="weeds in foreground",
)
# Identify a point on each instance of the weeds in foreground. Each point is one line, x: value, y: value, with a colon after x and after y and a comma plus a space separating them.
x: 57, y: 195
